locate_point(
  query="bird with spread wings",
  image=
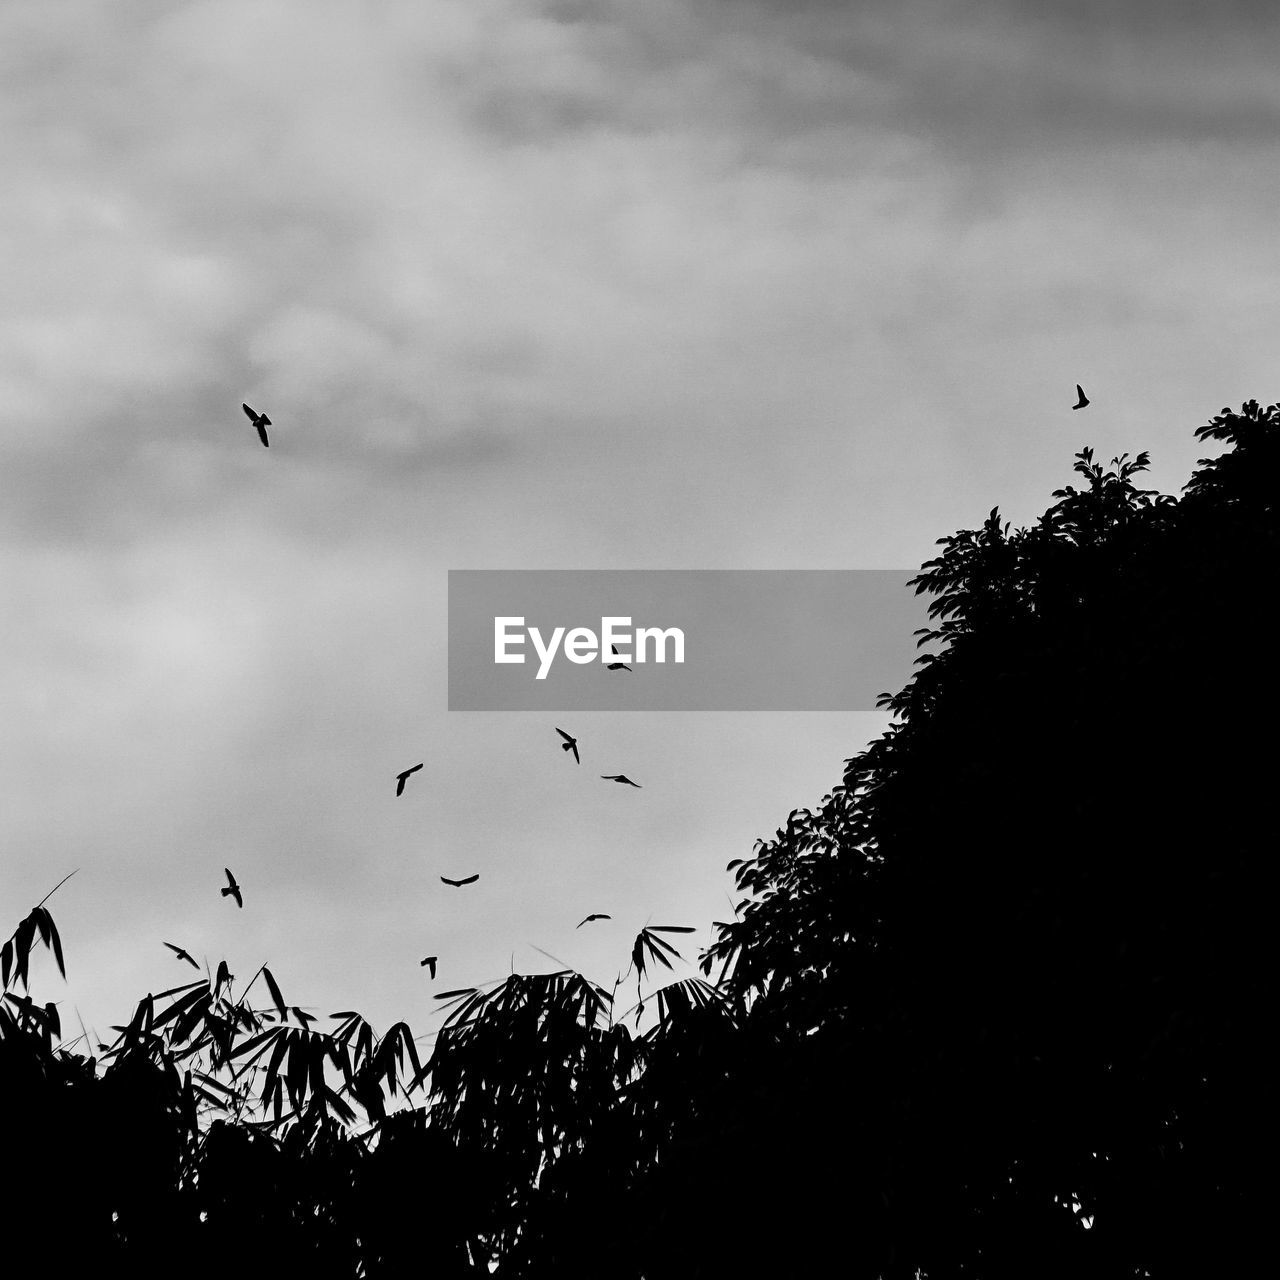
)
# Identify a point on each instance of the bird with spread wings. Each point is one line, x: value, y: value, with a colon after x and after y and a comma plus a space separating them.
x: 261, y: 421
x: 183, y: 955
x: 234, y: 890
x: 402, y: 778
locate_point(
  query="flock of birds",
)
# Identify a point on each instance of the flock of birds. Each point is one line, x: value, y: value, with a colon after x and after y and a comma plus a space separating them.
x: 232, y: 890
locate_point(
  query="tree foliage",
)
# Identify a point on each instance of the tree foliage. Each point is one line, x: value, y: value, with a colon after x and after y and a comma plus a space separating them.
x: 992, y: 1009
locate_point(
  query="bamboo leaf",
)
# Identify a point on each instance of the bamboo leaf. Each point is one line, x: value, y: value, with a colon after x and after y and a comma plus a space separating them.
x: 57, y: 947
x: 340, y: 1107
x: 262, y: 1039
x: 183, y: 1002
x: 275, y: 991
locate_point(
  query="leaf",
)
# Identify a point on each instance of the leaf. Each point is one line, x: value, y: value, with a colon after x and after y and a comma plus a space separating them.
x: 259, y: 1042
x: 406, y: 1039
x: 186, y: 986
x: 220, y: 1033
x: 340, y: 1107
x: 275, y: 991
x: 57, y: 946
x: 315, y: 1065
x: 183, y: 1026
x: 178, y: 1006
x: 637, y: 955
x: 215, y: 1084
x: 22, y: 940
x: 341, y: 1059
x: 364, y: 1043
x: 344, y: 1033
x: 296, y: 1072
x: 142, y: 1017
x: 273, y: 1067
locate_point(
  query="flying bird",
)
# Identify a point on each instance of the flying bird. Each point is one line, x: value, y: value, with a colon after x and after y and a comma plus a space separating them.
x: 615, y: 666
x: 259, y: 420
x: 569, y: 744
x: 1084, y: 399
x: 430, y: 960
x: 402, y: 778
x: 234, y: 890
x: 457, y: 884
x: 619, y: 777
x: 596, y: 916
x: 183, y: 955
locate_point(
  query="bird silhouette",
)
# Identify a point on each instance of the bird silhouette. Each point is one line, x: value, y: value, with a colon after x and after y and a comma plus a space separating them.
x: 234, y: 890
x: 182, y: 955
x: 596, y: 916
x: 615, y: 666
x: 402, y: 778
x: 569, y: 744
x: 1084, y: 399
x: 430, y: 960
x: 261, y: 421
x: 619, y: 777
x: 457, y: 884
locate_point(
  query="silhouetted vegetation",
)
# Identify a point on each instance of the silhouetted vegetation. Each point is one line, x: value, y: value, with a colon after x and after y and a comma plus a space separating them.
x: 992, y: 1010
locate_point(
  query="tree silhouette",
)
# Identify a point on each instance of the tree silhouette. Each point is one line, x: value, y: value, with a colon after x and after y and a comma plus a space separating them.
x: 993, y: 1009
x: 1032, y: 914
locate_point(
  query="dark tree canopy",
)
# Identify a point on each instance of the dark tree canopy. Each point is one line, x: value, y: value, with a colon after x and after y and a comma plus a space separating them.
x: 992, y: 1010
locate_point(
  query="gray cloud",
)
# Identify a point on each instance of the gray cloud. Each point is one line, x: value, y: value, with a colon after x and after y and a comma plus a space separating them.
x: 998, y: 75
x: 539, y: 286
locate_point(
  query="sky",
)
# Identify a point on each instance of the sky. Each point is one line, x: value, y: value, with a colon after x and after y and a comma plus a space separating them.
x: 526, y: 284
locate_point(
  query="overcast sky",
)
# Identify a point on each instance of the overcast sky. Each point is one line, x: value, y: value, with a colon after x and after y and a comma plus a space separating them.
x: 673, y: 284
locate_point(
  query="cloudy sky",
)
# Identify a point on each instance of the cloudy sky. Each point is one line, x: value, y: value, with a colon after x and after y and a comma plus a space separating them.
x: 679, y: 284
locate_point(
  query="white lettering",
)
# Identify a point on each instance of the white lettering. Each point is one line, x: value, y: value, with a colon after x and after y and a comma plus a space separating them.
x: 659, y: 636
x: 546, y: 654
x: 501, y: 639
x: 611, y: 638
x: 580, y: 645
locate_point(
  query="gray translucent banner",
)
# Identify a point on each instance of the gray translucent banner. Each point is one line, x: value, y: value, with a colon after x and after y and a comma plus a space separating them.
x: 732, y: 639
